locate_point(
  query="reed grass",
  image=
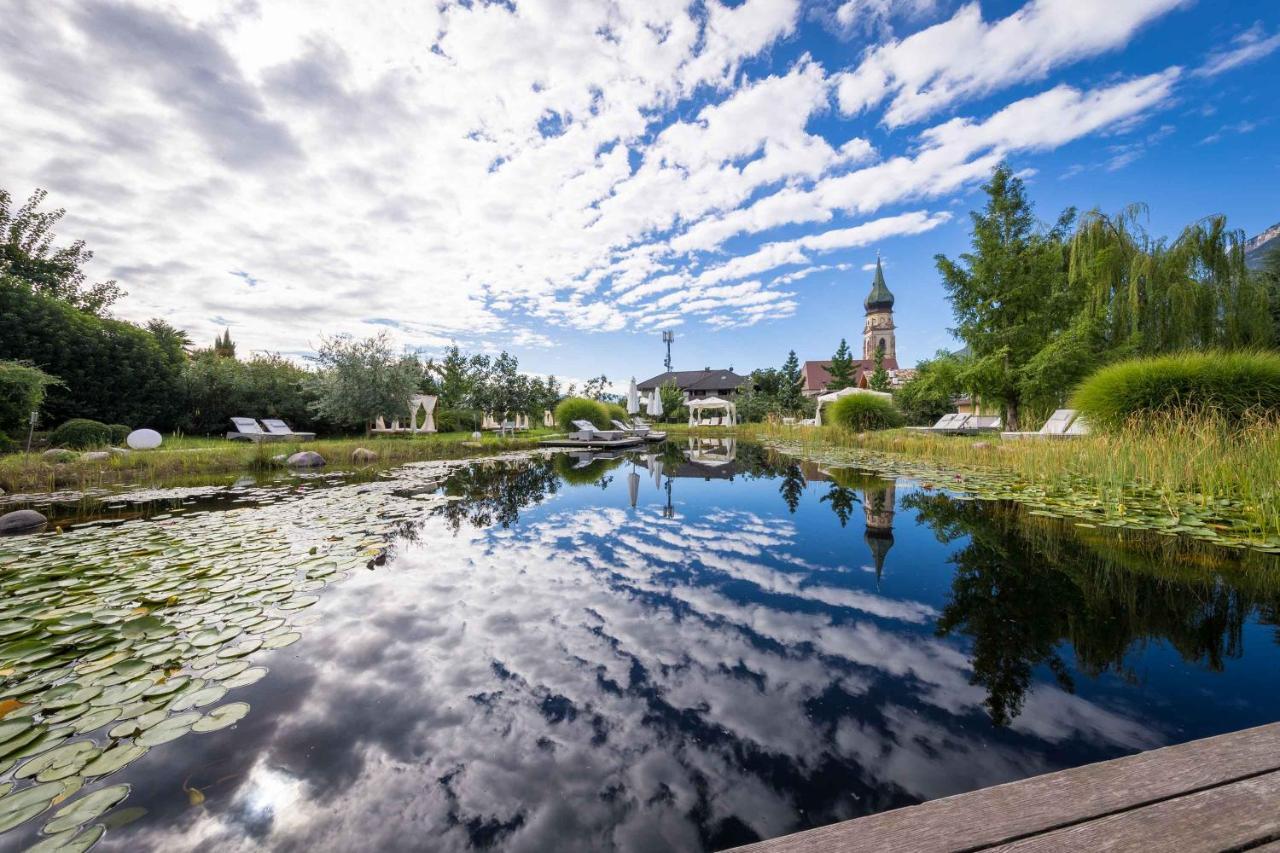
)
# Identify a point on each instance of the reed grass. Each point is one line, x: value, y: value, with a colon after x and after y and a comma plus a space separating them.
x: 1201, y: 458
x: 182, y: 459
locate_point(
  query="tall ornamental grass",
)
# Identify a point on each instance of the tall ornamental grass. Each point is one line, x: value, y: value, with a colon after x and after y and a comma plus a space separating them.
x: 863, y: 412
x: 581, y: 409
x: 1235, y: 387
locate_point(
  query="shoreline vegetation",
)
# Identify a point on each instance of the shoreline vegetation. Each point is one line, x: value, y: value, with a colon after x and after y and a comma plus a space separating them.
x: 192, y: 457
x: 1200, y: 477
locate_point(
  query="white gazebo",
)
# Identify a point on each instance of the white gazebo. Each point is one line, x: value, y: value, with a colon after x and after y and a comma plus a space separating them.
x: 697, y: 407
x: 844, y: 392
x: 423, y: 405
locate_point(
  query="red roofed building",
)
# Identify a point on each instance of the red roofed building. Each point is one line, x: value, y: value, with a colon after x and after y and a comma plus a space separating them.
x: 877, y: 334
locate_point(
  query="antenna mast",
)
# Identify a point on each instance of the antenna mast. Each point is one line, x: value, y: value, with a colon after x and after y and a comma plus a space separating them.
x: 668, y: 338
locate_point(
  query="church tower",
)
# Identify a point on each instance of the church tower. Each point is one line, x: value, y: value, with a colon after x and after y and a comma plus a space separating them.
x: 878, y: 332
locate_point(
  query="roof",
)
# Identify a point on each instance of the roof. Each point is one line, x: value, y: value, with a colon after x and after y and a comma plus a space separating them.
x: 817, y: 374
x: 695, y: 380
x: 879, y: 297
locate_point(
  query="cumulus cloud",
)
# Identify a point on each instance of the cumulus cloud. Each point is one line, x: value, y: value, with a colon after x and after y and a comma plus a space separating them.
x: 489, y: 172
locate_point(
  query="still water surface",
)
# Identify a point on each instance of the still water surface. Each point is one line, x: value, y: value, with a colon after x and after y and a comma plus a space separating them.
x: 695, y: 650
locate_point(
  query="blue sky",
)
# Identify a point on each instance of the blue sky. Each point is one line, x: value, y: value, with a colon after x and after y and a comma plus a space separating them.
x: 567, y: 186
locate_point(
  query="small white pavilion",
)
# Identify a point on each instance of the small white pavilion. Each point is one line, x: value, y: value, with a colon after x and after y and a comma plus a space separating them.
x: 698, y: 407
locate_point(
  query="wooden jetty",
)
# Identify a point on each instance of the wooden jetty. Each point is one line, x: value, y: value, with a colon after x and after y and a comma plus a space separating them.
x: 1217, y: 794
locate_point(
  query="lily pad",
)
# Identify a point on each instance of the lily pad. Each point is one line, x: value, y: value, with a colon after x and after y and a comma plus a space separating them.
x: 89, y: 807
x: 221, y: 717
x: 68, y: 842
x: 244, y: 679
x: 113, y: 759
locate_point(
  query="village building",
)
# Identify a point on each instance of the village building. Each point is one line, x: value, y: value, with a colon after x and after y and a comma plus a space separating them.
x: 697, y: 384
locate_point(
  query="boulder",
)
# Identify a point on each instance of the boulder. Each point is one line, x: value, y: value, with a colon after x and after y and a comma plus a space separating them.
x: 22, y: 521
x: 305, y: 459
x: 363, y: 455
x: 58, y: 454
x: 118, y: 451
x: 95, y: 456
x: 982, y: 445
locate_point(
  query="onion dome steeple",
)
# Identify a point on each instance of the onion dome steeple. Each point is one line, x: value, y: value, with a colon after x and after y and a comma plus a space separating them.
x: 879, y: 298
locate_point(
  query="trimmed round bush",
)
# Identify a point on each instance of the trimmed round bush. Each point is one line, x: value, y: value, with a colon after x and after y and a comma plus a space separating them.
x: 457, y: 420
x: 119, y: 432
x: 864, y: 412
x: 81, y: 433
x: 1230, y: 385
x: 573, y: 409
x: 618, y: 411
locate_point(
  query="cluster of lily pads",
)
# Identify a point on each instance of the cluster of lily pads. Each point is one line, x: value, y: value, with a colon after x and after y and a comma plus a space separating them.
x: 117, y: 639
x: 1217, y: 521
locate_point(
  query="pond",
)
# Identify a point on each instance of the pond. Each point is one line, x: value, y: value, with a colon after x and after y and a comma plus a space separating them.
x: 687, y: 648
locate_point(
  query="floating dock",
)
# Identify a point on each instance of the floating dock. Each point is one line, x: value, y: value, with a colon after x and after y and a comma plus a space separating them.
x: 1217, y: 794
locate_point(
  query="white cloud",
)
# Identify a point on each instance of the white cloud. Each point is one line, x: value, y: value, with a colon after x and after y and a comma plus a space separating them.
x: 966, y: 57
x: 1250, y: 46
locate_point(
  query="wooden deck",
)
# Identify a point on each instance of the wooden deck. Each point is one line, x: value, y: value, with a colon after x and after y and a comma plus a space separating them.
x: 1217, y: 794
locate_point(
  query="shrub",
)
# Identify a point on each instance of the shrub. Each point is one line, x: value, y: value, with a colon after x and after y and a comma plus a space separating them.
x: 617, y: 411
x: 119, y: 432
x: 573, y: 409
x: 589, y: 474
x: 1230, y: 385
x: 80, y: 433
x: 22, y: 389
x: 457, y: 420
x: 8, y: 445
x: 865, y: 412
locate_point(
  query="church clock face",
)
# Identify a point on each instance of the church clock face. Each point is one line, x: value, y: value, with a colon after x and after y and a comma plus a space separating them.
x: 879, y: 321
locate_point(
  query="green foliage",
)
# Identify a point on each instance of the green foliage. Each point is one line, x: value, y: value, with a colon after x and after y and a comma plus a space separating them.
x: 8, y: 445
x: 360, y: 380
x: 595, y: 471
x: 223, y: 346
x: 1140, y: 392
x: 109, y: 370
x: 118, y: 433
x: 617, y: 411
x: 841, y: 368
x: 216, y: 389
x: 673, y: 408
x: 879, y: 380
x: 27, y: 254
x: 1010, y: 293
x: 458, y: 420
x: 928, y: 396
x: 581, y: 409
x: 81, y: 433
x: 22, y: 390
x: 864, y: 412
x: 790, y: 391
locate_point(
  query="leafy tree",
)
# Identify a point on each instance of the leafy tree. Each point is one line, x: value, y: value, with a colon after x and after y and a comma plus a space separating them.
x: 597, y: 388
x: 174, y: 341
x: 1009, y: 294
x: 360, y: 380
x: 214, y: 390
x: 841, y: 368
x: 928, y: 396
x: 223, y: 346
x: 790, y: 391
x: 673, y: 408
x: 22, y: 391
x: 1269, y: 279
x: 879, y: 380
x: 28, y: 255
x: 792, y: 486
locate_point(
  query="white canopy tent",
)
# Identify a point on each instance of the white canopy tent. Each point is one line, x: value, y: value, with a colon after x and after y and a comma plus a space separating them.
x: 844, y: 392
x: 697, y: 407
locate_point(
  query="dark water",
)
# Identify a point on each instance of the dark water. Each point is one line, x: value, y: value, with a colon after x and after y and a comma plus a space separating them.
x: 590, y: 655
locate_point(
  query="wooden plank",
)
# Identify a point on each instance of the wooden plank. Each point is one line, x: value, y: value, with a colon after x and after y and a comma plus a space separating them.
x: 1007, y: 812
x: 1229, y: 817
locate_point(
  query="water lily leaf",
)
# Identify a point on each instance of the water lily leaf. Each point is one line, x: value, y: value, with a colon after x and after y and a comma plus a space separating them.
x: 68, y: 842
x: 244, y: 679
x: 166, y: 687
x: 84, y: 809
x: 281, y: 640
x: 96, y: 719
x: 123, y: 817
x: 221, y: 717
x: 113, y: 759
x: 75, y: 755
x: 241, y: 649
x: 21, y: 806
x: 226, y: 670
x: 200, y: 698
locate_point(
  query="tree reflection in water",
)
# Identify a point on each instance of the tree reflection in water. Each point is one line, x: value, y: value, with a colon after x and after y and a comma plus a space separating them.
x: 1024, y: 591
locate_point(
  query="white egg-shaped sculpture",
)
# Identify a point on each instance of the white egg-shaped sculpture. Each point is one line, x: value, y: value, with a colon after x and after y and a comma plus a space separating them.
x: 144, y: 439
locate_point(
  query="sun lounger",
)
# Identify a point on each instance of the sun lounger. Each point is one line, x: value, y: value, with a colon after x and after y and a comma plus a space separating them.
x: 1080, y: 426
x: 247, y: 429
x: 275, y: 426
x: 588, y: 431
x: 1058, y: 425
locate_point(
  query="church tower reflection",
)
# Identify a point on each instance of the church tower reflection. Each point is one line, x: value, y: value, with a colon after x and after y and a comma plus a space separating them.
x: 878, y: 502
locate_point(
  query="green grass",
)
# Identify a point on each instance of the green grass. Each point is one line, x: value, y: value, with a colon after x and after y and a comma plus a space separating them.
x: 1204, y: 465
x: 183, y: 458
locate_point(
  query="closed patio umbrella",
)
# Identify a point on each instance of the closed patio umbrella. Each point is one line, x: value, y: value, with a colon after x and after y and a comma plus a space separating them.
x: 656, y: 467
x: 633, y: 398
x: 633, y: 488
x: 655, y: 404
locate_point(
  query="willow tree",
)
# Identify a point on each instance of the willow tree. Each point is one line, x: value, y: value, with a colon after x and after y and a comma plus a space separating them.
x: 1149, y: 295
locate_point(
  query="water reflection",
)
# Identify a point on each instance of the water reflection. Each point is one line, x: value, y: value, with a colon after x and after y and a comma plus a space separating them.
x: 550, y: 663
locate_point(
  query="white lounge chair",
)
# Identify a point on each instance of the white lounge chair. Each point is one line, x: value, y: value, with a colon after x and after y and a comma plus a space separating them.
x: 247, y: 429
x: 275, y: 426
x: 1058, y: 424
x: 587, y: 431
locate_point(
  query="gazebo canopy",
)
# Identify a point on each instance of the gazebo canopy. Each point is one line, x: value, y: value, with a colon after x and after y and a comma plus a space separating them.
x: 698, y: 406
x: 832, y: 396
